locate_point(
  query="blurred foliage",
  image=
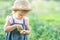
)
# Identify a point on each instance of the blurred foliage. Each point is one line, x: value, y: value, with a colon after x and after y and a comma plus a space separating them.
x: 53, y: 0
x: 44, y: 30
x: 44, y: 22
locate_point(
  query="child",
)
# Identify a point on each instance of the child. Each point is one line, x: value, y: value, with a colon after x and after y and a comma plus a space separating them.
x: 17, y: 25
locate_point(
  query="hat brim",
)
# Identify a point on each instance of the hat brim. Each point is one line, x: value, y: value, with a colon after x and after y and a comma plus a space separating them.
x: 27, y: 9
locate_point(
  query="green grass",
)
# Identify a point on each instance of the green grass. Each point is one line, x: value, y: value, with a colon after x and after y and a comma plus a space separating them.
x: 2, y: 33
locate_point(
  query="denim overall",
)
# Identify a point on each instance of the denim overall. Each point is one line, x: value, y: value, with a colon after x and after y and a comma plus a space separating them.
x: 15, y: 34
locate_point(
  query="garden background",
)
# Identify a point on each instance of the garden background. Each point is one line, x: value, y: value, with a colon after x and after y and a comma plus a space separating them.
x: 44, y: 19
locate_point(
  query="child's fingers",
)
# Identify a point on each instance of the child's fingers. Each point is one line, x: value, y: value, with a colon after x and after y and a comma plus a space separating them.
x: 22, y: 32
x: 19, y: 27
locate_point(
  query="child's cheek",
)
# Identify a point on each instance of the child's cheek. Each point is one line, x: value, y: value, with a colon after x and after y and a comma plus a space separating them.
x: 16, y: 14
x: 22, y: 16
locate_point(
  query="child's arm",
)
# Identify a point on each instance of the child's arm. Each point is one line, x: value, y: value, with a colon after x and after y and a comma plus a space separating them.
x: 27, y: 29
x: 8, y: 27
x: 27, y: 26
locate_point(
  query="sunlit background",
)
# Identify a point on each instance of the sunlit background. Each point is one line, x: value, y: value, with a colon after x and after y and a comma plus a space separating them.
x: 44, y: 19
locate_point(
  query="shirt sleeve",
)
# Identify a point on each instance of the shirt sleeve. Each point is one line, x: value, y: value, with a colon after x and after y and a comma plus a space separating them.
x: 8, y: 18
x: 27, y: 21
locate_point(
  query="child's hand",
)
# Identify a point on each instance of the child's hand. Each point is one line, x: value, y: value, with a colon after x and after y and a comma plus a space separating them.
x: 27, y: 32
x: 19, y: 27
x: 15, y: 25
x: 22, y: 32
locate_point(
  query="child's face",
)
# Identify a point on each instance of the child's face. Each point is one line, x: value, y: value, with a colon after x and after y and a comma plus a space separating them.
x: 21, y: 13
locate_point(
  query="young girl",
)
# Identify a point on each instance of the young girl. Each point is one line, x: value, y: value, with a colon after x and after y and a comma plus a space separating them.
x: 17, y: 25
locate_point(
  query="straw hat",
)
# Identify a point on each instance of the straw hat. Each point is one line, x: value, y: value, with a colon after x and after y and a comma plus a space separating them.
x: 21, y: 5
